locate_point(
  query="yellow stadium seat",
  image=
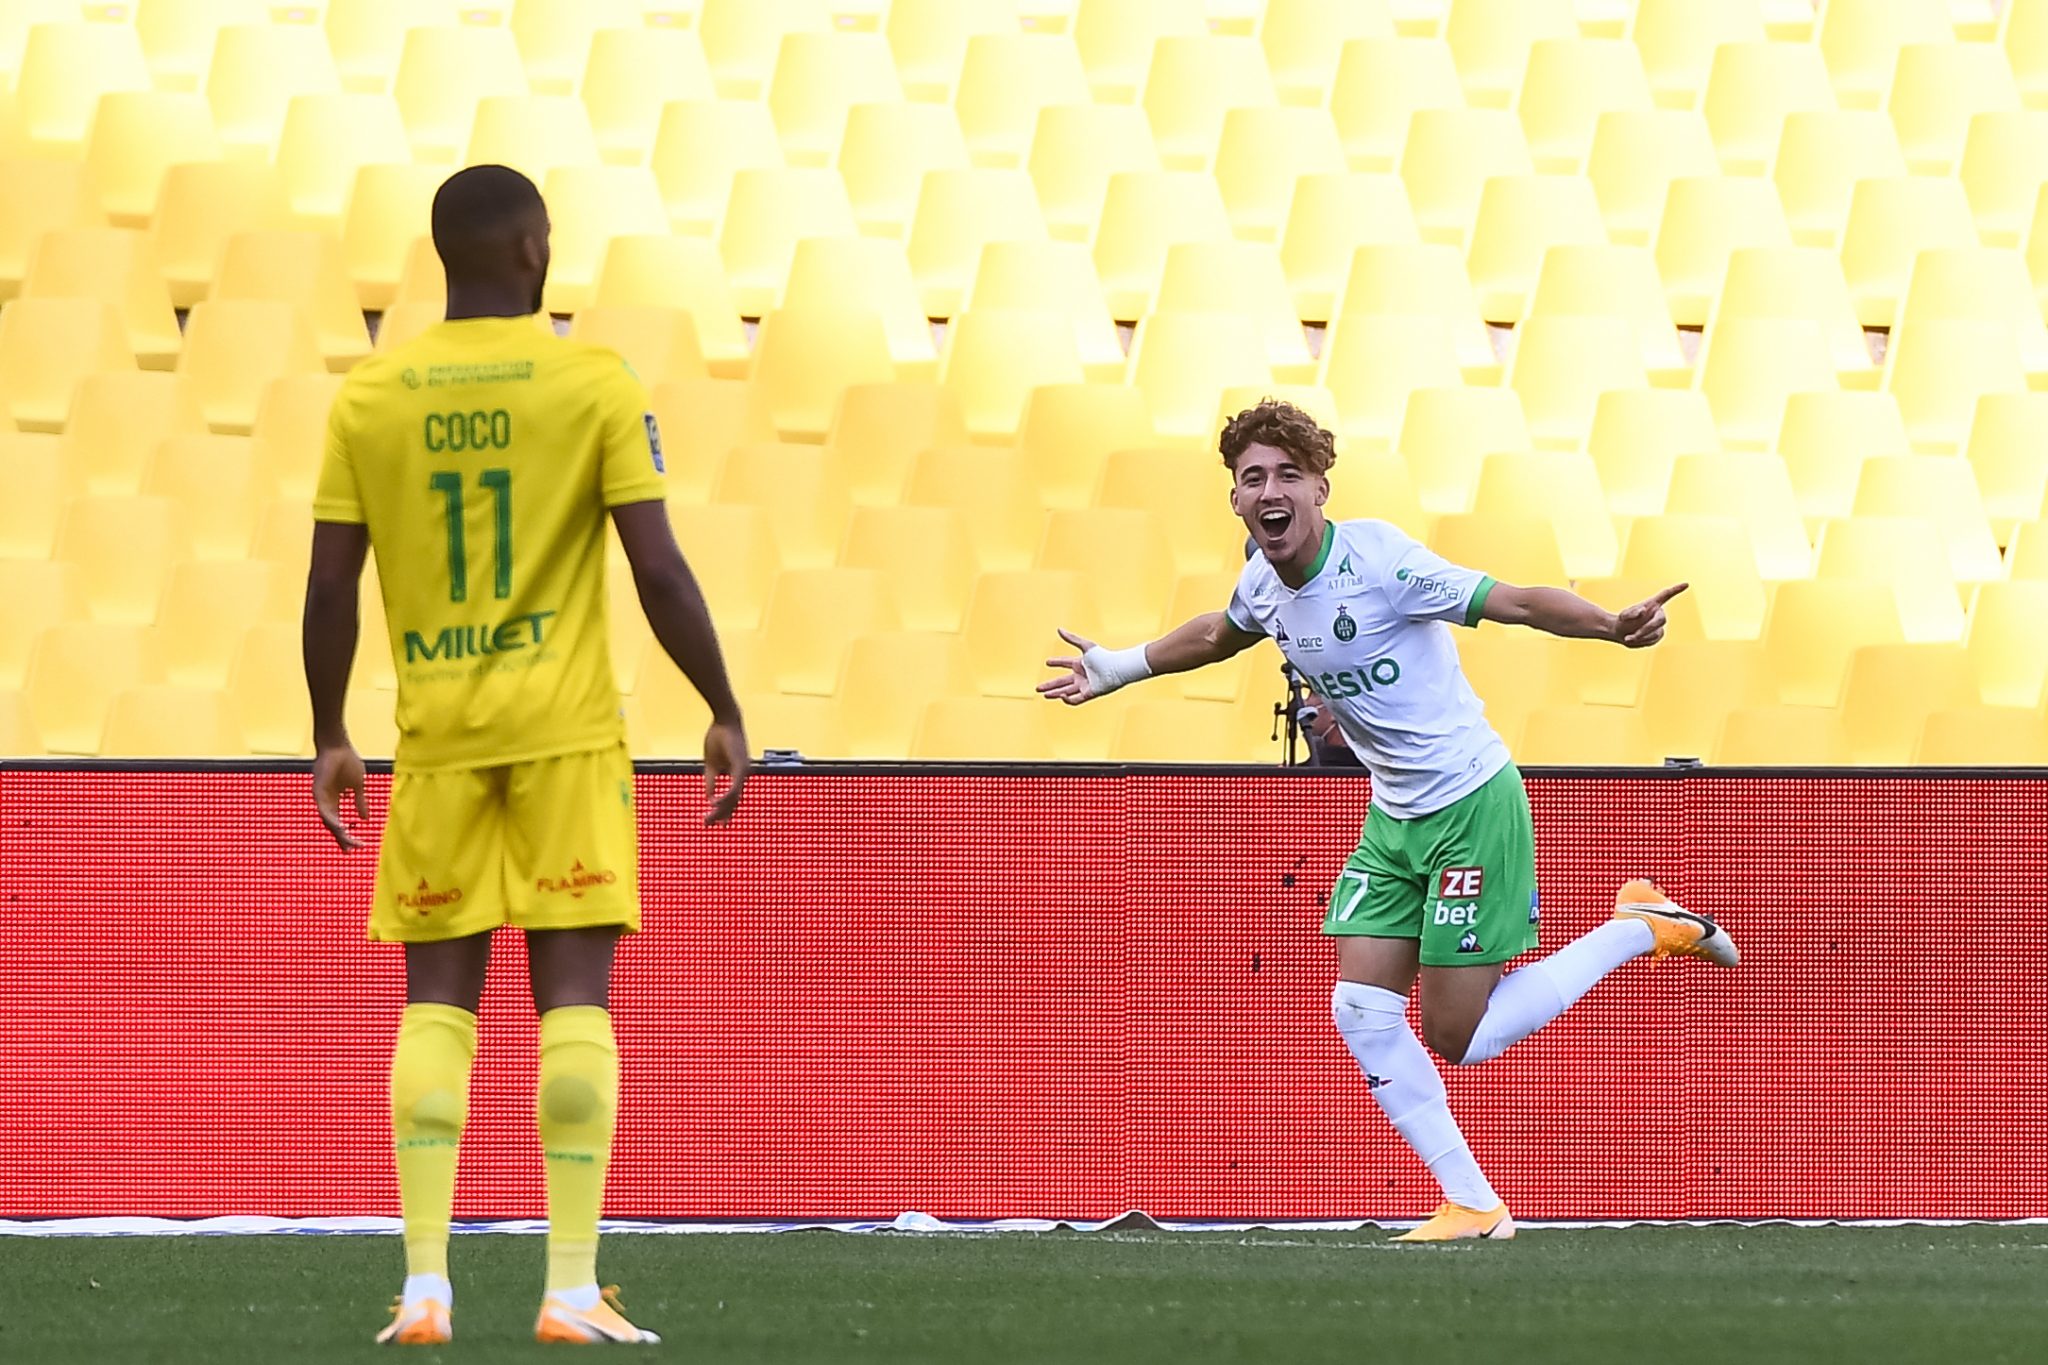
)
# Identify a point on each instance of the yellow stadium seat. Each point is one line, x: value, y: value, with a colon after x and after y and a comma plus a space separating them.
x: 1005, y: 80
x: 256, y: 71
x: 2026, y: 554
x: 1193, y: 83
x: 200, y: 207
x: 733, y: 553
x: 1750, y: 365
x: 923, y: 557
x: 1261, y: 157
x: 1693, y: 686
x: 2004, y: 164
x: 533, y: 134
x: 118, y: 419
x: 1069, y: 431
x: 1636, y: 436
x: 554, y: 37
x: 994, y: 358
x: 1938, y: 371
x: 1706, y: 219
x: 1891, y: 689
x: 1380, y: 84
x: 179, y: 37
x: 217, y: 491
x: 1074, y: 152
x: 1824, y: 440
x: 1242, y: 278
x: 1570, y: 84
x: 1562, y: 365
x: 372, y: 723
x: 1634, y: 157
x: 1861, y: 41
x: 1305, y: 39
x: 813, y: 616
x: 878, y: 429
x: 290, y: 428
x: 743, y: 37
x: 32, y: 493
x: 1446, y: 161
x: 958, y: 213
x: 233, y: 347
x: 1781, y: 737
x: 699, y: 149
x: 1597, y: 280
x: 1319, y: 403
x: 113, y: 266
x: 1942, y: 489
x: 1821, y: 157
x: 1177, y: 730
x: 1752, y: 488
x: 65, y: 69
x: 805, y: 356
x: 1983, y: 736
x: 1115, y: 40
x: 40, y: 593
x: 443, y: 75
x: 306, y: 270
x: 46, y: 347
x: 632, y: 73
x: 993, y: 490
x: 675, y: 272
x: 1606, y: 736
x: 16, y: 21
x: 123, y: 548
x: 2007, y: 447
x: 887, y: 152
x: 928, y: 39
x: 206, y: 610
x: 877, y: 713
x: 770, y: 212
x: 1937, y: 91
x: 285, y: 537
x: 135, y: 136
x: 405, y: 320
x: 2025, y: 39
x: 665, y: 716
x: 1012, y: 620
x: 658, y: 344
x: 38, y: 197
x: 1446, y: 434
x: 1372, y: 362
x: 388, y: 211
x: 1331, y: 217
x: 1513, y: 672
x: 1181, y: 362
x: 1678, y: 38
x: 1490, y: 41
x: 1751, y: 87
x: 1514, y: 548
x: 1796, y: 283
x: 367, y: 37
x: 1715, y: 555
x: 1422, y: 281
x: 1198, y: 595
x: 1520, y: 218
x: 1144, y: 215
x: 1908, y: 553
x: 1559, y: 487
x: 998, y: 729
x: 1815, y: 629
x: 1891, y: 221
x: 75, y: 672
x: 589, y: 207
x: 796, y: 484
x: 2007, y: 646
x: 1975, y: 284
x: 326, y: 138
x: 818, y: 77
x: 700, y: 420
x: 805, y: 725
x: 1187, y: 499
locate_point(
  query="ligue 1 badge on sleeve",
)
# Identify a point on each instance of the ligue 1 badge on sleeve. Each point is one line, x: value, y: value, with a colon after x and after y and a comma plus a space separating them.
x: 1344, y: 628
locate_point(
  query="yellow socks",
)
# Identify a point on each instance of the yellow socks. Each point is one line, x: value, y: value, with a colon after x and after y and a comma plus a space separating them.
x: 577, y: 1105
x: 429, y: 1105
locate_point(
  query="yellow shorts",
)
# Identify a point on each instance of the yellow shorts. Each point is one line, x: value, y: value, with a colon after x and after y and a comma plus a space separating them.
x: 547, y: 844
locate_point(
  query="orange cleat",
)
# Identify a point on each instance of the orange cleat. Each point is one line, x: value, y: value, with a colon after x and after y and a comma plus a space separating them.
x: 1455, y: 1222
x: 424, y: 1323
x: 606, y: 1322
x: 1679, y: 932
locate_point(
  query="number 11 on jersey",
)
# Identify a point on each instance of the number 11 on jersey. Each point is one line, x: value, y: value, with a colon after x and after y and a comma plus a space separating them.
x: 448, y: 484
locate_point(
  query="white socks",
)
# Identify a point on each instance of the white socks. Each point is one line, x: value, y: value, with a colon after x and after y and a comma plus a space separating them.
x: 1526, y: 1000
x: 419, y: 1288
x: 582, y: 1298
x: 1374, y: 1023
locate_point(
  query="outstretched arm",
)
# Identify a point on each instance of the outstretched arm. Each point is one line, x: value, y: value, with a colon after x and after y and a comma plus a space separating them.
x: 1095, y: 672
x: 1558, y: 612
x: 675, y: 609
x: 328, y: 640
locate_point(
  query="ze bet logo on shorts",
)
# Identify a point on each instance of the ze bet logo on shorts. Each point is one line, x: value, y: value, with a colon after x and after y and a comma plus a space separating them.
x: 1461, y: 883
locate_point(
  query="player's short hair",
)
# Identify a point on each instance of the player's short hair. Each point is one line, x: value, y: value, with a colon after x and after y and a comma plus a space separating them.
x: 478, y: 211
x: 1277, y: 423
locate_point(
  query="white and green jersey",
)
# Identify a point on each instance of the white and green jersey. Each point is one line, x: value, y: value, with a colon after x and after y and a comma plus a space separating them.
x: 1368, y: 631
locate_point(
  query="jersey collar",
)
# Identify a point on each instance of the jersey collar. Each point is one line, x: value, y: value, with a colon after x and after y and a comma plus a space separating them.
x: 1322, y: 555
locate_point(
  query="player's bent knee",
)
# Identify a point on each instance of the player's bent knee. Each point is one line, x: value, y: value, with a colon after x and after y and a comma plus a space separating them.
x: 568, y: 1099
x: 434, y: 1113
x: 1450, y: 1041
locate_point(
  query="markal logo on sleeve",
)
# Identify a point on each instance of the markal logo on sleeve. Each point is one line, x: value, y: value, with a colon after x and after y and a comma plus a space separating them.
x: 1435, y: 587
x: 1344, y: 628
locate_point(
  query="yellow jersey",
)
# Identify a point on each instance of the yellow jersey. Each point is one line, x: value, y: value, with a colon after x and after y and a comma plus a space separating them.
x: 482, y: 456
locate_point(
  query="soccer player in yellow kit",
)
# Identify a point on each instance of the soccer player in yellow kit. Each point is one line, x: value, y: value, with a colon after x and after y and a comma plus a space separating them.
x: 480, y: 461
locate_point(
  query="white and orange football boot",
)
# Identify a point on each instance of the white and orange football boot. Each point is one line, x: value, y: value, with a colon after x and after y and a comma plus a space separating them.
x: 1455, y: 1223
x: 607, y: 1322
x: 424, y: 1322
x: 1680, y: 932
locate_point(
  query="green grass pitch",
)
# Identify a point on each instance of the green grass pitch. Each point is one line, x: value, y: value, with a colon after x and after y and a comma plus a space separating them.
x: 1723, y: 1294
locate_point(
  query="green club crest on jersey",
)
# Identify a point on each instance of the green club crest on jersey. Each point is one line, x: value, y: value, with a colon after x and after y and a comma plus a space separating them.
x: 1344, y: 628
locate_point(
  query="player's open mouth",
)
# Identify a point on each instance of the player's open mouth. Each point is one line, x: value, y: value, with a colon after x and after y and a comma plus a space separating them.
x: 1274, y: 521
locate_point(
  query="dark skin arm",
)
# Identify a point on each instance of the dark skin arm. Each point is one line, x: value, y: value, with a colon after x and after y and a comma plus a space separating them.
x: 675, y: 609
x: 329, y: 643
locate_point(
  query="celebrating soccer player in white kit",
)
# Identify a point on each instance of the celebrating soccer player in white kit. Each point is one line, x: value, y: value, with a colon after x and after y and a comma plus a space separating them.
x: 1444, y: 876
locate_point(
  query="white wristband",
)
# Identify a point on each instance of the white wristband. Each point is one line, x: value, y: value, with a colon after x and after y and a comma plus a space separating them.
x: 1109, y: 669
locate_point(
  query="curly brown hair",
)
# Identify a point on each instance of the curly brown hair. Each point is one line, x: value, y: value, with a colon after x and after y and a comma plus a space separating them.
x: 1277, y: 423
